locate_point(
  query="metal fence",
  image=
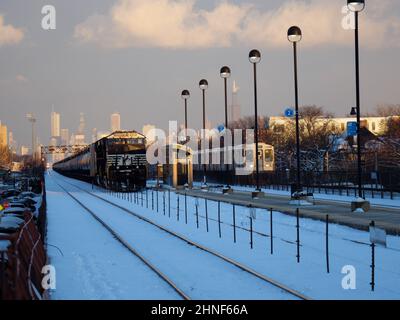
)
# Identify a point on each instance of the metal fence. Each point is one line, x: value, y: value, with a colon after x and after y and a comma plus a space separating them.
x: 241, y: 223
x: 375, y: 185
x: 22, y: 263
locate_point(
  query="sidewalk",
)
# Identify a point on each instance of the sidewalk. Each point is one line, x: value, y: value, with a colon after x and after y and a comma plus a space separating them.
x: 339, y: 212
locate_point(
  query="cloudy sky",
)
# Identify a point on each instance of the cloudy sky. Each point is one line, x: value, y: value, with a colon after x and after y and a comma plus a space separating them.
x: 135, y: 57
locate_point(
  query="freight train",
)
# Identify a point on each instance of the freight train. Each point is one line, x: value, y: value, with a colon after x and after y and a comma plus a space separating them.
x: 115, y: 161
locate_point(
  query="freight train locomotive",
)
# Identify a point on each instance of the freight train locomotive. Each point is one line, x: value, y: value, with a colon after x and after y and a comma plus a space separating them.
x: 118, y: 159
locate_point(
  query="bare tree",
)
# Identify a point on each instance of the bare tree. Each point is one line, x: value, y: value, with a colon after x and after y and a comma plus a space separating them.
x: 388, y: 110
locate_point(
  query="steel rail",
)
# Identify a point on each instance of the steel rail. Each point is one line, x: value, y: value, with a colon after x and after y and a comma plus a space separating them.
x: 201, y: 247
x: 128, y: 246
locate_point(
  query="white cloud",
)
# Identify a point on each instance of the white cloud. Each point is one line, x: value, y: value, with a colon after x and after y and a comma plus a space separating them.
x: 179, y: 24
x: 8, y: 34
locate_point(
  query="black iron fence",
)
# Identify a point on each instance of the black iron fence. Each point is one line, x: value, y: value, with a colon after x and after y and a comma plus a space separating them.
x: 384, y: 184
x: 256, y: 226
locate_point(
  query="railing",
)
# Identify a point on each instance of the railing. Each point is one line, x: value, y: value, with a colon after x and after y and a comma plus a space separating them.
x: 386, y: 186
x: 22, y: 263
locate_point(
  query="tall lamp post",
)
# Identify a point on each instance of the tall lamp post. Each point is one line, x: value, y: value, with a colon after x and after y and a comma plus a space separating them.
x: 357, y: 6
x: 294, y: 35
x: 225, y: 73
x: 185, y: 96
x: 255, y: 57
x: 203, y: 85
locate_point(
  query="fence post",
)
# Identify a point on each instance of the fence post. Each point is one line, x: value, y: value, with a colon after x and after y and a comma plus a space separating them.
x: 152, y: 199
x: 186, y: 215
x: 272, y: 232
x: 177, y: 208
x: 251, y: 230
x: 157, y: 199
x: 298, y: 234
x: 147, y: 198
x: 169, y: 203
x: 206, y: 214
x: 372, y: 224
x: 164, y: 203
x: 327, y: 243
x: 234, y: 222
x: 219, y: 218
x: 197, y: 212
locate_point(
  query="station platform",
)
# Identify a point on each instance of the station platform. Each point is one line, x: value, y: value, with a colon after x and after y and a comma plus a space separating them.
x: 339, y: 212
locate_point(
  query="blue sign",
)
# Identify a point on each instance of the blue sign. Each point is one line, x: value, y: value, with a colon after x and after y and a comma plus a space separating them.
x: 352, y: 129
x: 221, y: 128
x: 289, y: 113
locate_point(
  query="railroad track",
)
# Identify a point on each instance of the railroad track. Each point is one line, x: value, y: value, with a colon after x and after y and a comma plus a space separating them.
x: 244, y: 268
x: 129, y: 247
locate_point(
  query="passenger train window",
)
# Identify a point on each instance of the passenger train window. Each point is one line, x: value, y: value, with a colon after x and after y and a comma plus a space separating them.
x: 268, y: 155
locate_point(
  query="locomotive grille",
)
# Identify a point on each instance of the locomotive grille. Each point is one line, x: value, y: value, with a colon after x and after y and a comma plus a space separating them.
x: 126, y: 160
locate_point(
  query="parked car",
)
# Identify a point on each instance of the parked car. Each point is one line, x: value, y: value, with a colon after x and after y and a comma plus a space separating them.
x: 9, y: 193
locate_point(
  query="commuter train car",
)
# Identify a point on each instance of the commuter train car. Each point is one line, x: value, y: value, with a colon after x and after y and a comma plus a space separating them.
x: 119, y: 158
x: 266, y: 158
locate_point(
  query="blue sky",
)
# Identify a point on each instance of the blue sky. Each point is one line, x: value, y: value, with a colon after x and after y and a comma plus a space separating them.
x: 135, y: 57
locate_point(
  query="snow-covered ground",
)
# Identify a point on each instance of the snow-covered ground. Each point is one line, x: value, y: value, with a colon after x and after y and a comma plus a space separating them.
x: 197, y: 273
x: 347, y: 246
x: 89, y: 262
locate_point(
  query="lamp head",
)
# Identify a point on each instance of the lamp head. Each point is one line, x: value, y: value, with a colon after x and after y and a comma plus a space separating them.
x: 255, y: 56
x: 294, y: 34
x: 185, y: 94
x: 353, y: 111
x: 203, y: 84
x: 225, y: 72
x: 356, y: 5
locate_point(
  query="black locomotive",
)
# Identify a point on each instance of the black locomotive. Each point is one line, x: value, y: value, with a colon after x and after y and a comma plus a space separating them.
x: 116, y: 161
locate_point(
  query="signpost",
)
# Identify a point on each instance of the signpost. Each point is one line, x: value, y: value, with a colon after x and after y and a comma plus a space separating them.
x: 352, y: 129
x: 289, y: 113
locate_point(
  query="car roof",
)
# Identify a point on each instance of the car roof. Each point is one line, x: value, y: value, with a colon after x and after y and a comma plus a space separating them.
x: 12, y: 210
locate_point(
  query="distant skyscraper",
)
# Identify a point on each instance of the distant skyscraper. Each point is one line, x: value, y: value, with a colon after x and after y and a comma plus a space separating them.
x: 79, y: 139
x: 235, y: 107
x: 81, y: 129
x: 65, y: 137
x: 11, y: 141
x: 25, y: 151
x: 94, y: 135
x: 55, y: 124
x: 3, y: 136
x: 115, y: 122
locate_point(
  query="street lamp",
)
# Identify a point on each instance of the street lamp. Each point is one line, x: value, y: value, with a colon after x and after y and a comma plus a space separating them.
x: 203, y: 85
x: 225, y: 73
x: 185, y: 96
x: 357, y: 6
x: 255, y: 57
x: 294, y: 35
